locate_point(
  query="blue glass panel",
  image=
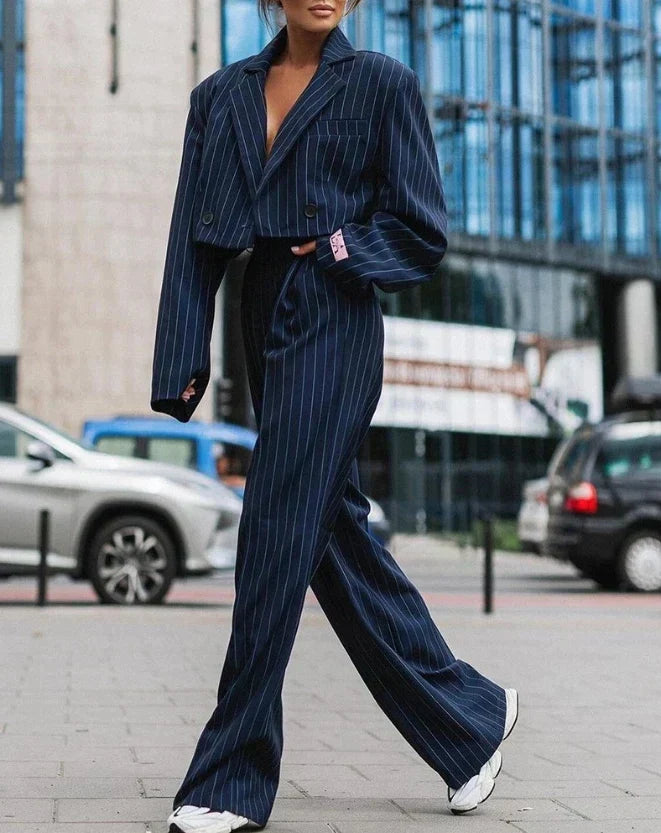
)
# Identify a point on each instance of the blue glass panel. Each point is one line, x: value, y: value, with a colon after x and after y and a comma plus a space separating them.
x: 628, y: 12
x: 520, y: 178
x: 574, y: 69
x: 658, y: 199
x: 626, y: 228
x: 350, y: 26
x: 576, y: 205
x: 624, y: 80
x: 20, y: 110
x: 20, y: 19
x: 19, y: 89
x: 373, y: 25
x: 657, y: 84
x: 460, y: 51
x: 554, y: 303
x: 582, y: 6
x: 243, y: 31
x: 396, y: 17
x: 419, y: 50
x: 461, y: 137
x: 387, y: 27
x: 518, y: 55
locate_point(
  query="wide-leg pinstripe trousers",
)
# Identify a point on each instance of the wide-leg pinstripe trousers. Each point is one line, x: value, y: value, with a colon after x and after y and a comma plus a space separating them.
x: 314, y: 355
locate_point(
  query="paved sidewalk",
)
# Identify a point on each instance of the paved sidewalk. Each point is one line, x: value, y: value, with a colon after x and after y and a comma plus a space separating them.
x: 96, y: 730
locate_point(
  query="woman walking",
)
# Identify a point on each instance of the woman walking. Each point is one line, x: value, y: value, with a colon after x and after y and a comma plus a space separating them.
x: 320, y: 158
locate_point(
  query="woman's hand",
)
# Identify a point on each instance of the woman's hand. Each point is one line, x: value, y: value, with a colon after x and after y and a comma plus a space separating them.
x: 190, y: 391
x: 304, y: 248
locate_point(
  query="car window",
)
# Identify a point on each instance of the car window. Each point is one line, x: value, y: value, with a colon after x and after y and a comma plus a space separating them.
x: 125, y: 446
x: 81, y: 442
x: 557, y: 457
x: 176, y: 450
x: 631, y: 449
x: 569, y: 464
x: 14, y: 443
x: 232, y: 463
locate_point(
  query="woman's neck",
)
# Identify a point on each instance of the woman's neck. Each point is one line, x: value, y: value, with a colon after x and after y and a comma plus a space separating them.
x: 302, y: 48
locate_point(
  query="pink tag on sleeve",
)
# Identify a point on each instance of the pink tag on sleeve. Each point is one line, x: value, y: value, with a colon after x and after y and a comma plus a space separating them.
x: 337, y: 245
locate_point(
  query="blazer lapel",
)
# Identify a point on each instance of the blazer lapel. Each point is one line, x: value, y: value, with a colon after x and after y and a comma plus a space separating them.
x: 249, y: 120
x: 323, y: 85
x: 248, y: 105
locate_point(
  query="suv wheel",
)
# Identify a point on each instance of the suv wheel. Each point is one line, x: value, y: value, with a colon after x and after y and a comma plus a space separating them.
x: 640, y: 561
x: 131, y: 560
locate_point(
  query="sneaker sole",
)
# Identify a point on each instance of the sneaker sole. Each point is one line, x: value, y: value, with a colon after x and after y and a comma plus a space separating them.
x: 470, y: 809
x: 251, y: 825
x: 516, y: 717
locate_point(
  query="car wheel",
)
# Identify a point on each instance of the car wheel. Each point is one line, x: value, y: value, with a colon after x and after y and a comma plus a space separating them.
x: 131, y: 560
x: 639, y: 562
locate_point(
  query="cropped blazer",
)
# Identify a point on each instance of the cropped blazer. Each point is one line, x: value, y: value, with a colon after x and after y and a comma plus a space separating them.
x: 353, y: 165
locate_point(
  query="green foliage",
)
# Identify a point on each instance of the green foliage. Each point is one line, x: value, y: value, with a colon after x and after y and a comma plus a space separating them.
x: 504, y: 535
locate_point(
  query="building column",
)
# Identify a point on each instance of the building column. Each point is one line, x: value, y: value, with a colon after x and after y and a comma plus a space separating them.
x: 206, y: 35
x: 637, y: 329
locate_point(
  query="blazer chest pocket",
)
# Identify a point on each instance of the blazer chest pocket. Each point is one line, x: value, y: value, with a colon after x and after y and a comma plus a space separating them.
x: 337, y: 151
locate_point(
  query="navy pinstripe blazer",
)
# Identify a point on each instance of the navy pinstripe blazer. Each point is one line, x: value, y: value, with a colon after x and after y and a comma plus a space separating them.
x: 353, y: 165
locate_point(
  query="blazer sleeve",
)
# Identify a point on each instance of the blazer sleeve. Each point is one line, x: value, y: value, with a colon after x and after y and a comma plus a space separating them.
x: 404, y: 240
x: 191, y: 278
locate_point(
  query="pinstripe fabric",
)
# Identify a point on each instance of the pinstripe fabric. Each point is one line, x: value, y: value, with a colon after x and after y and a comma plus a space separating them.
x: 355, y: 155
x: 315, y: 367
x: 354, y: 166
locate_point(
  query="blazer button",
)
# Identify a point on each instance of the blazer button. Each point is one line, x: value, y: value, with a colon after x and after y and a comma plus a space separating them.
x: 310, y: 209
x: 207, y: 218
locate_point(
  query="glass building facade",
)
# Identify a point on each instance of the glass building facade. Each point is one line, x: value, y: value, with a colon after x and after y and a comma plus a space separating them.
x: 12, y: 120
x: 547, y: 119
x: 12, y: 94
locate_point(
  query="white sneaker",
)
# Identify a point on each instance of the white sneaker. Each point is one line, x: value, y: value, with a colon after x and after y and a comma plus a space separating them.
x: 512, y: 713
x: 478, y: 788
x: 188, y: 818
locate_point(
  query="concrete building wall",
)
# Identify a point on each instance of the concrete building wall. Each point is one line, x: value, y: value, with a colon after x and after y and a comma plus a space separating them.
x: 637, y: 328
x: 101, y: 173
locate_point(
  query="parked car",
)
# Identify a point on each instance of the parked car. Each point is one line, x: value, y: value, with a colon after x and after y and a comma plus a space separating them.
x: 533, y: 515
x: 219, y: 449
x: 128, y: 526
x: 604, y: 501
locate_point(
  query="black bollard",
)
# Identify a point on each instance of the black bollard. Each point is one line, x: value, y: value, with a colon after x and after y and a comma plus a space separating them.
x: 487, y: 521
x: 44, y: 519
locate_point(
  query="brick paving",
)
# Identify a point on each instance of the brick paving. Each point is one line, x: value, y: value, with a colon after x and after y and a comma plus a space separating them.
x: 96, y: 731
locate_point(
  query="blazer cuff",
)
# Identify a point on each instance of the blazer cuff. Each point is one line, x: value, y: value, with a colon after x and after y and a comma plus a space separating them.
x: 333, y: 253
x: 177, y: 408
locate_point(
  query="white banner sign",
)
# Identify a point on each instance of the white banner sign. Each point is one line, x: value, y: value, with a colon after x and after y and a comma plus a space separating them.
x: 460, y: 377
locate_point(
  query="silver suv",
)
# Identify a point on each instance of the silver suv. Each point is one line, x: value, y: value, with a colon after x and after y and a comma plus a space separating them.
x: 129, y: 526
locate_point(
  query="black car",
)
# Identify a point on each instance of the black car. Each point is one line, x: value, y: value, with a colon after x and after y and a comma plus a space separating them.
x: 604, y: 500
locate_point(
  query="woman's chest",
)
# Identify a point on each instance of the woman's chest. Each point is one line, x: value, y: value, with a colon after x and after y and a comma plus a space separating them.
x: 282, y: 89
x: 325, y: 131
